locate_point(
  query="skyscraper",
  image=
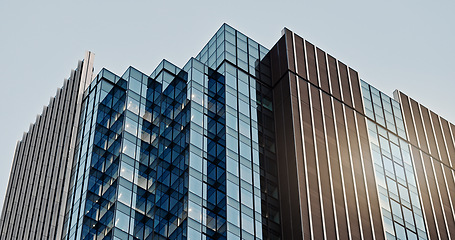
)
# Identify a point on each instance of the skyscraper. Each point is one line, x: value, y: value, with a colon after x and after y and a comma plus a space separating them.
x: 241, y: 142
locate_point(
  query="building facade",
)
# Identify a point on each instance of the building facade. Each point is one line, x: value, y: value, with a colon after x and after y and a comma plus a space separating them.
x: 242, y: 142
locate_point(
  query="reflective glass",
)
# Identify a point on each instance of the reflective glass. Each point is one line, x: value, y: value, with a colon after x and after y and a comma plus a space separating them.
x: 122, y: 221
x: 133, y: 105
x: 135, y: 85
x: 131, y: 126
x: 129, y: 148
x: 127, y: 172
x: 247, y: 223
x: 124, y: 195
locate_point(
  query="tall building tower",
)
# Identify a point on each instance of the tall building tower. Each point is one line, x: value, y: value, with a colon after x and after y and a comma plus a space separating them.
x: 241, y: 142
x: 37, y: 192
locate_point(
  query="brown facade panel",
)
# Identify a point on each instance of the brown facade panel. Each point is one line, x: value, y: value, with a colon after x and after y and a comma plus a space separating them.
x: 425, y: 196
x: 358, y: 175
x: 282, y: 56
x: 312, y: 69
x: 337, y: 183
x: 356, y: 92
x: 323, y: 165
x: 289, y: 50
x: 427, y: 164
x: 275, y: 64
x: 300, y: 56
x: 288, y: 179
x: 449, y: 141
x: 450, y: 186
x: 299, y: 159
x: 345, y: 85
x: 323, y: 73
x: 347, y: 172
x: 444, y: 157
x: 310, y: 157
x: 282, y: 164
x: 407, y: 115
x: 370, y: 180
x: 418, y: 124
x: 326, y: 150
x: 429, y: 132
x: 334, y: 81
x: 452, y: 131
x: 444, y: 197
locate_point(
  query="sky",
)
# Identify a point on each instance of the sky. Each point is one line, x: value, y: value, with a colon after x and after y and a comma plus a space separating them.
x: 406, y: 45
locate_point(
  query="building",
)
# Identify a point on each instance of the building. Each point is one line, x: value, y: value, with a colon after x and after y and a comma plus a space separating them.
x: 240, y: 143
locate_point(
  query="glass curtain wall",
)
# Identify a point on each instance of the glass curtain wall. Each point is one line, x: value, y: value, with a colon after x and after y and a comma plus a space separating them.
x: 176, y: 154
x: 394, y: 168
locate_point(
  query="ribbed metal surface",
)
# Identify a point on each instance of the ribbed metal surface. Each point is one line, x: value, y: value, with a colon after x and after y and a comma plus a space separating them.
x: 37, y: 189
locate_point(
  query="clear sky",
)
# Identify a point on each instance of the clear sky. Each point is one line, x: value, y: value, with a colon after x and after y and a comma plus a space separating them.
x: 406, y: 45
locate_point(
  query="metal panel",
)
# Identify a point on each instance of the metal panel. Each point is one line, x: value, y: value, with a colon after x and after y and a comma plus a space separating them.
x: 337, y: 182
x: 429, y: 132
x: 444, y: 198
x: 439, y: 135
x: 300, y: 57
x: 345, y: 163
x: 357, y: 167
x: 407, y: 117
x: 434, y: 195
x: 418, y: 125
x: 324, y: 177
x: 312, y: 166
x: 322, y: 69
x: 355, y: 88
x: 291, y: 224
x: 369, y: 178
x: 427, y: 206
x: 40, y: 165
x: 334, y: 82
x: 311, y: 61
x: 345, y: 85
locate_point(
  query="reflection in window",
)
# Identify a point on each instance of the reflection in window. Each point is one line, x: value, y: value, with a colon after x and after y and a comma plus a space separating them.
x: 131, y: 126
x: 134, y: 85
x: 194, y: 211
x: 247, y: 223
x: 124, y: 195
x: 127, y: 172
x: 133, y: 105
x: 122, y: 221
x: 129, y: 148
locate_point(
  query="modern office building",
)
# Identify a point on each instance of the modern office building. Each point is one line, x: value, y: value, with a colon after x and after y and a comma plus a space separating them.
x: 242, y: 142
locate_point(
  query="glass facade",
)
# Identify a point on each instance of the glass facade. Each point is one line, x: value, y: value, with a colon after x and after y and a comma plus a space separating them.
x: 174, y: 154
x: 394, y: 168
x: 130, y: 179
x: 242, y: 142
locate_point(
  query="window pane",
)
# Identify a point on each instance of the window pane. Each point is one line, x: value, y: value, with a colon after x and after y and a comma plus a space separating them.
x: 127, y: 172
x: 131, y: 126
x: 133, y: 105
x: 135, y: 85
x: 121, y: 221
x: 129, y: 148
x: 124, y: 195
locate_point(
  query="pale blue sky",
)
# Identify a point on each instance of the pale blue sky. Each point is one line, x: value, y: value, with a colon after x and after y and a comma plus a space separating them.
x: 406, y: 45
